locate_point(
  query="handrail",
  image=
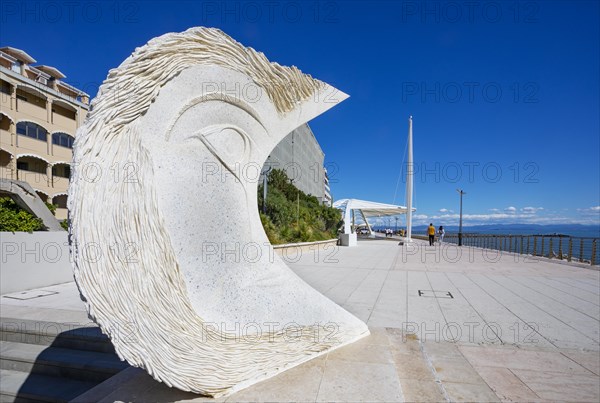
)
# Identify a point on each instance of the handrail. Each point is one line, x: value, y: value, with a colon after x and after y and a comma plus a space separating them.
x: 581, y: 249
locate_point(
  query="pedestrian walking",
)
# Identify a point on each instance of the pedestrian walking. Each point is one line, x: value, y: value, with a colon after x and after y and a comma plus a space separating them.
x: 431, y: 233
x: 441, y: 233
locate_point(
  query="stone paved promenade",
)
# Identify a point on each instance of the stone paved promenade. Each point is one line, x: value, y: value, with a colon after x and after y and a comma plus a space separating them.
x: 447, y: 324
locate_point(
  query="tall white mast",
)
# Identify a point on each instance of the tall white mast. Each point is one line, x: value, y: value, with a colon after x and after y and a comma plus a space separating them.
x: 409, y: 183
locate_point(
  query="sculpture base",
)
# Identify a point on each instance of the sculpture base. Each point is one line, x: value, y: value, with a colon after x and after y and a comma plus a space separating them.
x: 348, y: 239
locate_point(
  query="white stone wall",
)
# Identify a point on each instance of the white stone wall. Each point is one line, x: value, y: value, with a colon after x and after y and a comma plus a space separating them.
x: 33, y: 260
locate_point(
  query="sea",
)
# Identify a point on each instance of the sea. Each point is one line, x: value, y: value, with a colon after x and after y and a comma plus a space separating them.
x: 572, y: 230
x: 555, y: 237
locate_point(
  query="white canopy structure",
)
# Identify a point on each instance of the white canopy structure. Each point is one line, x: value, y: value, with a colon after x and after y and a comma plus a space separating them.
x: 370, y: 209
x: 366, y: 209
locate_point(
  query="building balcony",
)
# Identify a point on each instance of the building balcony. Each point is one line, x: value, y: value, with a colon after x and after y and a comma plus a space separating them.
x: 31, y: 146
x: 60, y: 153
x: 59, y: 89
x: 60, y: 201
x: 64, y: 123
x: 5, y: 103
x: 59, y: 185
x: 36, y: 113
x: 6, y: 141
x: 6, y: 168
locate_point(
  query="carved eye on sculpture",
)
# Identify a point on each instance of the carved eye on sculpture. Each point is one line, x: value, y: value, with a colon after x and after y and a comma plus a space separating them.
x: 232, y: 143
x: 228, y: 144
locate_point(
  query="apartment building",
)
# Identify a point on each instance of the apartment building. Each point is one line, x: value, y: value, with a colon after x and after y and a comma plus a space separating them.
x: 39, y: 114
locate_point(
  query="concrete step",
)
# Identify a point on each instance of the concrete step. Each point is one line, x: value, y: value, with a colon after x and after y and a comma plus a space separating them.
x: 66, y: 335
x: 51, y: 361
x: 81, y: 365
x: 24, y: 388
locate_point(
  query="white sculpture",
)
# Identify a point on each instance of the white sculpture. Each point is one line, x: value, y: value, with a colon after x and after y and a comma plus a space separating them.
x: 169, y: 253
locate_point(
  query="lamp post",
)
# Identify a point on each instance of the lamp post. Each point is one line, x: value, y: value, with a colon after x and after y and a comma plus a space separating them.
x: 461, y: 192
x: 396, y: 228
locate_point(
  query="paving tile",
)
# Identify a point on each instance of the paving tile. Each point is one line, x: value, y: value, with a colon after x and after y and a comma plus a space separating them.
x: 412, y: 366
x: 386, y: 317
x: 574, y: 387
x: 587, y: 359
x: 441, y: 350
x: 299, y: 384
x: 134, y: 390
x: 456, y: 370
x: 402, y: 342
x: 362, y: 351
x: 360, y: 311
x: 547, y: 324
x: 163, y: 393
x: 579, y: 343
x: 520, y: 359
x: 506, y: 385
x: 378, y: 337
x: 421, y: 391
x: 346, y: 381
x: 466, y: 392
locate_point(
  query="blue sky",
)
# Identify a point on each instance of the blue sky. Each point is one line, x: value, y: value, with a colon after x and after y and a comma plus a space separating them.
x: 504, y: 95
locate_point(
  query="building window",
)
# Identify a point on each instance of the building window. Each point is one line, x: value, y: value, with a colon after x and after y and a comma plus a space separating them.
x: 5, y: 87
x: 60, y: 201
x: 63, y: 171
x: 63, y: 140
x: 32, y: 164
x: 32, y: 130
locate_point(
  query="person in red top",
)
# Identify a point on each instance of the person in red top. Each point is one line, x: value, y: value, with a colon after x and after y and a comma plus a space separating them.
x: 431, y: 233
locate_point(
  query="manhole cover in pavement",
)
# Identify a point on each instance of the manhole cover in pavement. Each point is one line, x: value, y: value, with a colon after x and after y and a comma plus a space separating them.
x: 31, y: 294
x: 435, y: 294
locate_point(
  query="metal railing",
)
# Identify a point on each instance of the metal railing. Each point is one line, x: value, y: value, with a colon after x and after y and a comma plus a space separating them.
x: 561, y: 247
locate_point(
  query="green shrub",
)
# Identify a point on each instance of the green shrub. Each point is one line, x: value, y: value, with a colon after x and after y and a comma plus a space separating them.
x: 51, y: 207
x: 13, y: 218
x: 292, y: 215
x: 270, y: 229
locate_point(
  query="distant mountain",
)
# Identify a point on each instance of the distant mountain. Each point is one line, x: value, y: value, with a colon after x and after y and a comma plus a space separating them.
x: 523, y: 229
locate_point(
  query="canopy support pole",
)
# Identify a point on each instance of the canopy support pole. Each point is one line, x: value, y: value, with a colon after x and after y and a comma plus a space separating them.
x: 368, y: 225
x: 409, y: 183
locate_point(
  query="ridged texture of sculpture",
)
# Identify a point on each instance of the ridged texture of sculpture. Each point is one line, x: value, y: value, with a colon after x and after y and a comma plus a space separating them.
x: 124, y: 264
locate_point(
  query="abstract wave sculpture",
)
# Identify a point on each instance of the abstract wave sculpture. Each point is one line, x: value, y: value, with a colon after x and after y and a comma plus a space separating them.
x: 169, y: 253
